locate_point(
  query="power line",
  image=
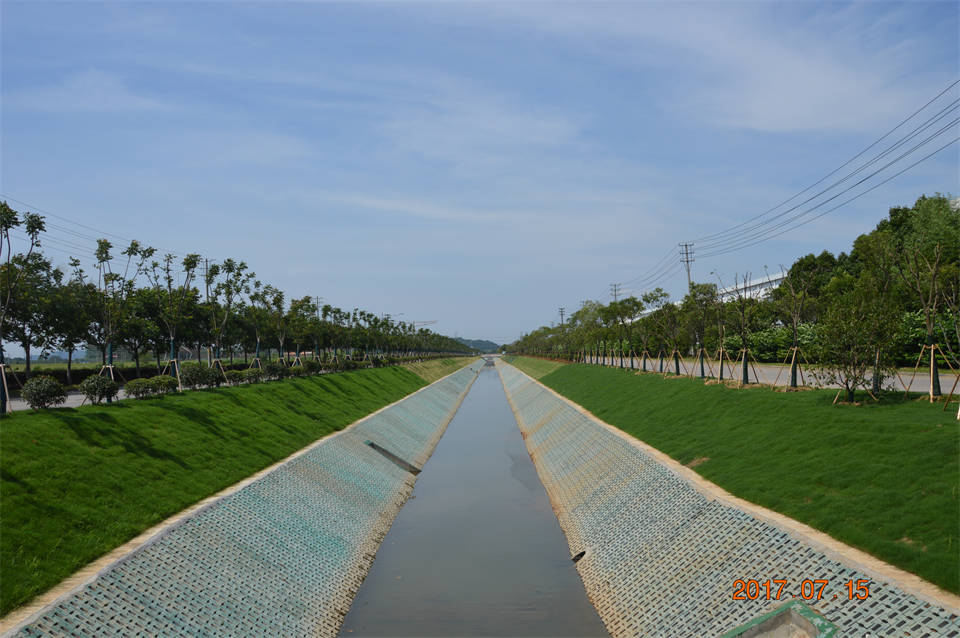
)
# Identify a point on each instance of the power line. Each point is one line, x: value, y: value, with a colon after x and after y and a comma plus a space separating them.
x: 764, y: 234
x: 834, y: 171
x: 103, y: 233
x: 910, y: 136
x: 659, y: 264
x: 844, y: 203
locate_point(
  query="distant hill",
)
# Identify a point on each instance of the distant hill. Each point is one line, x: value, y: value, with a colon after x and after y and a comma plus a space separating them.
x: 480, y: 344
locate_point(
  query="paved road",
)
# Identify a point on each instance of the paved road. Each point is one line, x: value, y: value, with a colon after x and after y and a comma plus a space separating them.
x: 779, y: 375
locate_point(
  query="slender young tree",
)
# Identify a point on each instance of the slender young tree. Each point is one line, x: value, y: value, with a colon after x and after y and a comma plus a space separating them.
x: 115, y: 289
x: 931, y: 241
x: 228, y: 283
x: 172, y: 294
x: 33, y: 225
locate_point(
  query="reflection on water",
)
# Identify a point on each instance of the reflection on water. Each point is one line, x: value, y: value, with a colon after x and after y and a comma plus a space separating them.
x: 477, y: 551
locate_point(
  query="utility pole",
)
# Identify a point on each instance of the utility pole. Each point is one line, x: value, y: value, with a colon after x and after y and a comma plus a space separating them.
x: 686, y: 256
x: 614, y: 291
x: 562, y: 311
x: 206, y: 281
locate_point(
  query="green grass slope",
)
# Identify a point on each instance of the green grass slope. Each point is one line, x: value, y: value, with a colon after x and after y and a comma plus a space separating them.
x: 76, y: 483
x: 434, y: 369
x: 536, y: 368
x: 880, y: 477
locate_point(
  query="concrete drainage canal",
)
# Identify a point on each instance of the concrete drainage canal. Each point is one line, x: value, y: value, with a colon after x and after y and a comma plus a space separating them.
x: 524, y: 516
x: 477, y: 551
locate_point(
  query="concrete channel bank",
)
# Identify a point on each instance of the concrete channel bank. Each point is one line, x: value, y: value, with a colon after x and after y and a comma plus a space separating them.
x: 284, y: 555
x: 661, y: 556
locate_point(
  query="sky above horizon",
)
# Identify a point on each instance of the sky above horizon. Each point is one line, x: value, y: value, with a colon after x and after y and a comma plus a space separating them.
x: 479, y: 164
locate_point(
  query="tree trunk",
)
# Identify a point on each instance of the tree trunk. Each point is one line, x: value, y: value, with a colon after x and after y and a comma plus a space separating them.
x: 136, y: 360
x: 934, y: 372
x: 850, y: 394
x: 26, y: 352
x: 69, y: 366
x: 793, y: 366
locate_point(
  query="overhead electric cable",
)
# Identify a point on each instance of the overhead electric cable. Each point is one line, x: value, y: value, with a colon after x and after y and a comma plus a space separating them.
x: 789, y: 220
x: 840, y: 205
x: 103, y: 233
x: 718, y: 240
x: 836, y: 170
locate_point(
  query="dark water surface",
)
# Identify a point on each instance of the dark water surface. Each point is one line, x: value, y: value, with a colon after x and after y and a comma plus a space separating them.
x: 477, y: 551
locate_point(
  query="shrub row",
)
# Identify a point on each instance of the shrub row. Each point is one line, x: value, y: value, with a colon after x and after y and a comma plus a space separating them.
x: 44, y: 391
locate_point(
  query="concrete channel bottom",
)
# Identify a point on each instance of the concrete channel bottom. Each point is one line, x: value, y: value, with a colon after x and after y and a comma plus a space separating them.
x: 283, y: 556
x: 661, y: 558
x: 477, y: 550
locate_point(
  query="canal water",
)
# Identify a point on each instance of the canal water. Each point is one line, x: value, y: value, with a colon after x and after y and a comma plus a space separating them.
x: 477, y: 551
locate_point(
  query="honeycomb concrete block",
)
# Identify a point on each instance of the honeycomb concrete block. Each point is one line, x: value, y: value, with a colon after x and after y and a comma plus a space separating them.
x: 283, y: 556
x: 661, y: 557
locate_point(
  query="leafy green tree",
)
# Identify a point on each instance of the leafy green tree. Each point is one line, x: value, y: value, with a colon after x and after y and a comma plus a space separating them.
x: 115, y: 288
x: 299, y: 321
x: 696, y: 309
x: 848, y: 349
x: 73, y: 311
x: 33, y: 225
x: 927, y: 241
x: 140, y: 329
x: 173, y: 294
x: 228, y: 282
x: 656, y: 300
x: 30, y: 320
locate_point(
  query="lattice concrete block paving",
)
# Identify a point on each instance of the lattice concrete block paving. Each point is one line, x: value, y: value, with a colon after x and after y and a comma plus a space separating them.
x: 661, y: 556
x: 283, y: 556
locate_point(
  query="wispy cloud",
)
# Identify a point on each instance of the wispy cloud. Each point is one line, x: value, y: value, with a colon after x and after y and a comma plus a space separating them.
x: 754, y: 66
x: 90, y: 90
x: 418, y: 208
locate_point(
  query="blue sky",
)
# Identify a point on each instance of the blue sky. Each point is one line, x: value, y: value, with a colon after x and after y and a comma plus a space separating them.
x: 480, y: 164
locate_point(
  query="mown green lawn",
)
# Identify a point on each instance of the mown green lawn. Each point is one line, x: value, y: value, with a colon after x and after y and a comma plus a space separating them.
x: 76, y: 483
x: 536, y: 368
x: 435, y: 369
x: 881, y: 477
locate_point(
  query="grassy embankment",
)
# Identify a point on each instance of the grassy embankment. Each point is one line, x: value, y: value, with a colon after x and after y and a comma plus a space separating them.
x: 536, y: 368
x: 76, y: 483
x: 881, y: 477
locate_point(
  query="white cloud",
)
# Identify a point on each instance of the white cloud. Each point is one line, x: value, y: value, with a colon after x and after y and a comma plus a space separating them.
x: 754, y: 66
x: 90, y: 90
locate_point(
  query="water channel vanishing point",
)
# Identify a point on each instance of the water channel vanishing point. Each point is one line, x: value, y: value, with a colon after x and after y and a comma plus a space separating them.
x: 477, y: 550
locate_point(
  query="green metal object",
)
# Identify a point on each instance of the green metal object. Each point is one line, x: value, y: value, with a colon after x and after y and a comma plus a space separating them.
x: 3, y: 384
x: 173, y: 359
x: 110, y: 363
x: 934, y: 373
x: 793, y: 617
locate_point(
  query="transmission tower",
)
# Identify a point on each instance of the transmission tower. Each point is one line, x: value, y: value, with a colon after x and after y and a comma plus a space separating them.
x: 686, y: 256
x: 615, y: 291
x: 562, y: 311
